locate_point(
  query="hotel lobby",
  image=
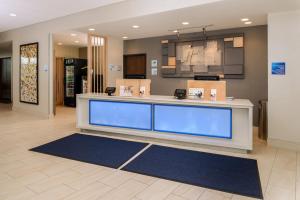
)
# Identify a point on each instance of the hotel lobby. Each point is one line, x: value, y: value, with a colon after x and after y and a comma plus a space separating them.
x: 149, y: 100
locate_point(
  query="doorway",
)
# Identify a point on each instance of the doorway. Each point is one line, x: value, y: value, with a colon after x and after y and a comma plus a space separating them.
x: 5, y: 80
x: 69, y: 65
x: 6, y: 73
x: 79, y: 66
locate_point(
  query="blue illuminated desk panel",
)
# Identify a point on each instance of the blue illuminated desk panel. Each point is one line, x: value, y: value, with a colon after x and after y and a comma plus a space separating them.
x: 162, y: 118
x: 121, y: 114
x: 193, y: 120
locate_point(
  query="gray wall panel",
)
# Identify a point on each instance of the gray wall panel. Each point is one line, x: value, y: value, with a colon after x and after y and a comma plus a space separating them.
x: 253, y: 86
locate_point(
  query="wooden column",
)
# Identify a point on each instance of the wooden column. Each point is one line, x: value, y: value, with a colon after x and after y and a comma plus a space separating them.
x: 97, y: 56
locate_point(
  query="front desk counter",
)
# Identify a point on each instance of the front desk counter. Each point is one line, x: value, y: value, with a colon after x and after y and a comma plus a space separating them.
x: 217, y: 123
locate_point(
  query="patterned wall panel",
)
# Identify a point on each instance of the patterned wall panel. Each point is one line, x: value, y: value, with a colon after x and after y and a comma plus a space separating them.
x: 29, y: 73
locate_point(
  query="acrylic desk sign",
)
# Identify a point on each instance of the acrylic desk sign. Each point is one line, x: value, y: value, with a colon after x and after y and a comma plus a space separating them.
x: 278, y: 68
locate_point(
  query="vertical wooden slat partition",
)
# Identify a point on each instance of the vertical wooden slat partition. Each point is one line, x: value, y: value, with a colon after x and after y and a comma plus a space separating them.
x: 59, y: 80
x: 97, y: 52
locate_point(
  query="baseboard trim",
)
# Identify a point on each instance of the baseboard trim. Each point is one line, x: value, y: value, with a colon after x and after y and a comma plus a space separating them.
x: 284, y: 144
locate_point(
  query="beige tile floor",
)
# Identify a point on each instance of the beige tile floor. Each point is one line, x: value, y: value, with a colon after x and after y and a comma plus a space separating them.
x: 28, y: 175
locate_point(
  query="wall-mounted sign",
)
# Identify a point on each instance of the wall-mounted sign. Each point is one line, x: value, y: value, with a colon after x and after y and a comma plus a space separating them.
x: 278, y: 68
x: 154, y: 71
x: 154, y: 63
x: 113, y: 67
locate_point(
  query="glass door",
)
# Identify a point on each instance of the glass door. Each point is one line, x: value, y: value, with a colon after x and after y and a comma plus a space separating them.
x: 70, y: 81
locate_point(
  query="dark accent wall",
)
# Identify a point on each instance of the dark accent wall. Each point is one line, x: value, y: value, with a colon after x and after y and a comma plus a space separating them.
x: 254, y: 86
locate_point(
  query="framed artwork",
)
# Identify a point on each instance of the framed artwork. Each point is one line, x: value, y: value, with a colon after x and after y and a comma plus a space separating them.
x: 278, y: 68
x: 29, y: 72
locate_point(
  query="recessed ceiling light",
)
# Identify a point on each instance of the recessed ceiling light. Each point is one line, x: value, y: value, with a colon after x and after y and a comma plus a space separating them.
x: 248, y: 22
x: 125, y: 37
x: 59, y: 43
x: 185, y: 23
x: 91, y: 29
x: 135, y: 26
x: 76, y: 41
x: 73, y: 34
x: 12, y: 14
x: 175, y: 31
x: 244, y: 19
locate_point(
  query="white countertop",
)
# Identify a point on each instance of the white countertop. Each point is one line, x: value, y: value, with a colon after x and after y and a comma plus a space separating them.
x: 240, y: 103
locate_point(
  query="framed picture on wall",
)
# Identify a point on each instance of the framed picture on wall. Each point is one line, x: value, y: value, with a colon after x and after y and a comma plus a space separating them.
x: 29, y: 72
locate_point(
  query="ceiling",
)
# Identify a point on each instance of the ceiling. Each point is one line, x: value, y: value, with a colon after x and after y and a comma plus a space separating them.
x: 35, y: 11
x: 222, y: 14
x: 68, y: 38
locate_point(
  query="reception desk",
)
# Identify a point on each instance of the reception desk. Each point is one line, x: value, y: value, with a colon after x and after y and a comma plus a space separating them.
x: 217, y: 123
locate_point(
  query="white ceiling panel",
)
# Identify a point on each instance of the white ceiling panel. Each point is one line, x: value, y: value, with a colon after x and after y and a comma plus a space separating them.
x: 35, y: 11
x: 70, y: 38
x: 222, y: 14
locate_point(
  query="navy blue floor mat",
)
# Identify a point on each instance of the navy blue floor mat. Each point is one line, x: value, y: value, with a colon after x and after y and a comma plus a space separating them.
x: 224, y: 173
x: 92, y: 149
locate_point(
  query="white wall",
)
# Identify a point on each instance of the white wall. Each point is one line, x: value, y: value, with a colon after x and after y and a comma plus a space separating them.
x: 22, y: 37
x: 114, y: 60
x: 284, y: 91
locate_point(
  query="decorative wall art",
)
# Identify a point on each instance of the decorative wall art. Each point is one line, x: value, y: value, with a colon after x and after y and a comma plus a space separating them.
x: 221, y: 55
x: 29, y: 73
